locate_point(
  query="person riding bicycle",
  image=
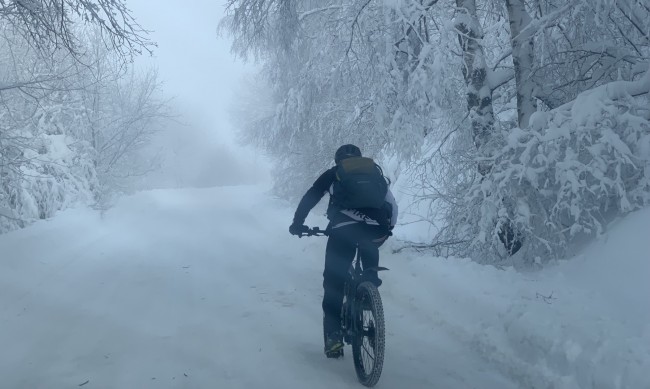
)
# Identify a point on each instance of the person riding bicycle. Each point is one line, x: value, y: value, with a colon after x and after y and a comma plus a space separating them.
x: 362, y: 213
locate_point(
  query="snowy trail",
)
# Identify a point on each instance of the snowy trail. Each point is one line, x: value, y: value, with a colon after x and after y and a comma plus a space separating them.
x: 198, y: 289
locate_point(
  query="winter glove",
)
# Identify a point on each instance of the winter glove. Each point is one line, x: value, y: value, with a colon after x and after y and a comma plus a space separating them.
x: 298, y: 229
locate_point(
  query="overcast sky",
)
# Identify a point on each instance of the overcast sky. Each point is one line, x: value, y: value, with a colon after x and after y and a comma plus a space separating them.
x: 201, y: 75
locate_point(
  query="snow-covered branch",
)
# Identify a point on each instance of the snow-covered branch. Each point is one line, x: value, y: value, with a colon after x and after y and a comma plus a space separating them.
x: 52, y: 24
x: 318, y: 10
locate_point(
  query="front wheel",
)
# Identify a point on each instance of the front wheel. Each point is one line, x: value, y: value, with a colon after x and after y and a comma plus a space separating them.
x: 369, y: 340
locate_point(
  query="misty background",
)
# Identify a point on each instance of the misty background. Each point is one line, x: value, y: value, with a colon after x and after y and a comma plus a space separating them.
x: 200, y: 147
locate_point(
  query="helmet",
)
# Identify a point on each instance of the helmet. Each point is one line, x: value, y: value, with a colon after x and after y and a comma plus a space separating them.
x: 346, y: 151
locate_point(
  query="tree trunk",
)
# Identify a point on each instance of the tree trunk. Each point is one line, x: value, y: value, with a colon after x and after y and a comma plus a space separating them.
x: 522, y: 57
x: 479, y: 102
x: 479, y: 93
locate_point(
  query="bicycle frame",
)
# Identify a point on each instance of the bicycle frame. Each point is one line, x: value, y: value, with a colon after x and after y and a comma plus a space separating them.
x: 349, y: 309
x: 354, y: 278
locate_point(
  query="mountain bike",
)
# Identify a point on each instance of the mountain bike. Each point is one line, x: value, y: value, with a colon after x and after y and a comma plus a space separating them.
x: 362, y: 320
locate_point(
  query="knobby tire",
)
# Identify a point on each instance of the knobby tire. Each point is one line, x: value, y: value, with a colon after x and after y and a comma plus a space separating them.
x: 369, y: 342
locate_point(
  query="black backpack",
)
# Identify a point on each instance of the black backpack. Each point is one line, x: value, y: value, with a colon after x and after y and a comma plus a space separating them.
x: 360, y: 183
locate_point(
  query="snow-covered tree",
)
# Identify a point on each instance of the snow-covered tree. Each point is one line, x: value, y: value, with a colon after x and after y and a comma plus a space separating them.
x: 43, y: 166
x: 340, y: 72
x: 69, y: 124
x: 563, y: 54
x: 446, y: 87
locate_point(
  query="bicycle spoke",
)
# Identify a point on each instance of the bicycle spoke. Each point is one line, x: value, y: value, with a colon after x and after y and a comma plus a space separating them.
x: 368, y: 353
x: 367, y: 364
x: 368, y: 350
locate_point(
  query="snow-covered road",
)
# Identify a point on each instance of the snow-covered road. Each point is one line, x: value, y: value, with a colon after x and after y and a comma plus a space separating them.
x: 206, y: 289
x: 195, y: 289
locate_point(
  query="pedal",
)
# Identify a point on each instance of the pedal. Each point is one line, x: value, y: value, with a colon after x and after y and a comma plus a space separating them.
x: 335, y: 354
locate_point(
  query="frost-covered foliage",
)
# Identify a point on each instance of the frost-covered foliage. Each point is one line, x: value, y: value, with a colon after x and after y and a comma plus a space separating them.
x: 553, y: 175
x: 451, y: 89
x: 44, y: 166
x: 567, y: 172
x: 53, y: 173
x: 582, y: 44
x: 53, y: 25
x: 567, y: 175
x: 121, y: 113
x: 339, y: 72
x: 68, y: 123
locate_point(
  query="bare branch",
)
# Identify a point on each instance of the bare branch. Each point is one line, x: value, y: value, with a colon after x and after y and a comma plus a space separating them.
x: 355, y: 22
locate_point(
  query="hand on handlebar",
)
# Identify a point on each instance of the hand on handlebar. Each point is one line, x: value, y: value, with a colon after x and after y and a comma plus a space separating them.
x: 298, y: 229
x: 315, y: 232
x: 302, y: 230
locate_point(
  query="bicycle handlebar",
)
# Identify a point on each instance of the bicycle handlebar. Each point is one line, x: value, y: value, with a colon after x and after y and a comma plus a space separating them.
x: 316, y: 231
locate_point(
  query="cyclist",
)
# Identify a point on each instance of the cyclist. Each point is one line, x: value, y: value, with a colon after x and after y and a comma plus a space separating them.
x: 366, y: 228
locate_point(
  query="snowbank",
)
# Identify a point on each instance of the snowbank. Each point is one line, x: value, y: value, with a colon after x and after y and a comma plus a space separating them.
x: 583, y: 323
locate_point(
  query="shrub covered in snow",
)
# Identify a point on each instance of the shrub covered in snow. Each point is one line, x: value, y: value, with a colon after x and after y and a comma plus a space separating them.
x: 50, y: 177
x: 68, y: 132
x: 568, y: 174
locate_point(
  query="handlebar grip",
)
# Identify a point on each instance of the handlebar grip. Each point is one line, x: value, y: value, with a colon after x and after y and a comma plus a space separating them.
x: 316, y: 231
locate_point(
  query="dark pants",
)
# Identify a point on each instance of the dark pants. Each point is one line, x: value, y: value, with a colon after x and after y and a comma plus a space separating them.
x: 339, y: 254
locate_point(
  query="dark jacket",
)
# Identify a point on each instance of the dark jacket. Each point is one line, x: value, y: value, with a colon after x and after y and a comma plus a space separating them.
x: 385, y: 216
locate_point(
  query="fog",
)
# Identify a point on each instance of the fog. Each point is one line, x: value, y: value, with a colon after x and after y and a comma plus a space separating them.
x: 199, y: 147
x: 517, y: 138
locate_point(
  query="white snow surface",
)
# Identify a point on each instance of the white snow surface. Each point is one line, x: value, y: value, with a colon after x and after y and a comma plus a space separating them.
x: 205, y: 288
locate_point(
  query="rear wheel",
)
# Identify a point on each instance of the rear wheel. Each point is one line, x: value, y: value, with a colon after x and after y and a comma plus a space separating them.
x: 369, y: 340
